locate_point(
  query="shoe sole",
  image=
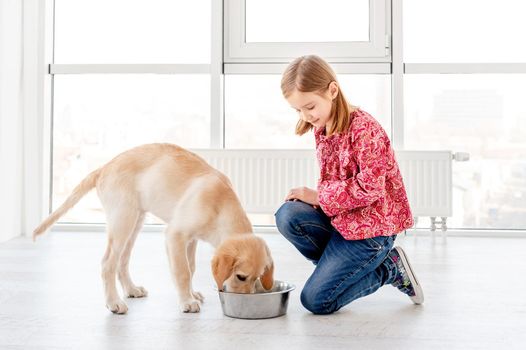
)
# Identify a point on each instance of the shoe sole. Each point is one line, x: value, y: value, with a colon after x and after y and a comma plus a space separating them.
x: 418, y: 298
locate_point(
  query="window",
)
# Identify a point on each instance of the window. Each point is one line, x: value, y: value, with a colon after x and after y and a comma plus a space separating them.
x: 263, y: 119
x: 207, y: 74
x: 102, y: 107
x: 278, y: 31
x: 480, y: 112
x: 136, y: 31
x: 485, y: 116
x: 464, y: 31
x: 98, y: 116
x: 306, y: 21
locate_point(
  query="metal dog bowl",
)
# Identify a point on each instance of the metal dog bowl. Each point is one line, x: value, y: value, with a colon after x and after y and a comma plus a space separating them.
x: 265, y: 304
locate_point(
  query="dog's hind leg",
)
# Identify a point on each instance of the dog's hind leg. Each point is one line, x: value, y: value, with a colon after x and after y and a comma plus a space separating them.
x: 177, y: 250
x: 129, y: 288
x: 121, y: 224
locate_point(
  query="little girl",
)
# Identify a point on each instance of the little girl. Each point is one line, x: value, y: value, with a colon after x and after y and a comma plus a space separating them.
x: 347, y: 226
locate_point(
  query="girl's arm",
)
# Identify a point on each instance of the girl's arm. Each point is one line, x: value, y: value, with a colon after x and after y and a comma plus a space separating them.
x: 374, y: 157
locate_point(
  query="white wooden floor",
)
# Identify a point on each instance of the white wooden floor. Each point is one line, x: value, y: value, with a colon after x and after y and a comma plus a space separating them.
x: 51, y: 298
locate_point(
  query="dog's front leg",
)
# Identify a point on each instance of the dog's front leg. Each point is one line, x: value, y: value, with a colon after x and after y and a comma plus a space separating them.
x: 190, y: 250
x: 176, y: 246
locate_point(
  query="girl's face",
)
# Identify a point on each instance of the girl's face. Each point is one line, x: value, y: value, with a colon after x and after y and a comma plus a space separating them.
x: 314, y: 108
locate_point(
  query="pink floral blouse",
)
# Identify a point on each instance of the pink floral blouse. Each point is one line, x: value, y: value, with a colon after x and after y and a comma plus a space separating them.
x: 360, y: 186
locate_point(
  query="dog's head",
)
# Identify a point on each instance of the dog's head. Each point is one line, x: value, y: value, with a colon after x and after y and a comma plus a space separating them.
x: 239, y: 262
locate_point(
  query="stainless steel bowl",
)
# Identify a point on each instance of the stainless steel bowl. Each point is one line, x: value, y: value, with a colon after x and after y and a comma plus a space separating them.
x: 264, y: 304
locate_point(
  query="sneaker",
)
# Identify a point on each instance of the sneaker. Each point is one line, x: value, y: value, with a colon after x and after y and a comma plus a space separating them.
x: 406, y: 280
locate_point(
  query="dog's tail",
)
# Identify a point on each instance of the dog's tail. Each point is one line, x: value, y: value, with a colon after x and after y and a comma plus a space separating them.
x: 80, y: 191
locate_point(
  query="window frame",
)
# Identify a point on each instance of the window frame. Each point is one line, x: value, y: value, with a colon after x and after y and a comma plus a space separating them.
x: 237, y: 50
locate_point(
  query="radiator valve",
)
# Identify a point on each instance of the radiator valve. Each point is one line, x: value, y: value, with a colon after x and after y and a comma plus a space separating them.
x: 461, y: 156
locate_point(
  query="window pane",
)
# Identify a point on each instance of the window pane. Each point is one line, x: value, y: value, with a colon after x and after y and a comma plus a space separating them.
x: 484, y: 115
x: 307, y: 21
x: 263, y: 118
x: 98, y: 116
x: 132, y: 31
x: 372, y: 93
x: 464, y: 31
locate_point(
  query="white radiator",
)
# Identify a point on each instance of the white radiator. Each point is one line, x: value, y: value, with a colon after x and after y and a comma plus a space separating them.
x: 262, y: 178
x: 428, y: 181
x: 427, y: 177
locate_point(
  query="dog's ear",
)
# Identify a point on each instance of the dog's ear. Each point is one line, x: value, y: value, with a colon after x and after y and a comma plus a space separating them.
x: 222, y: 267
x: 267, y: 279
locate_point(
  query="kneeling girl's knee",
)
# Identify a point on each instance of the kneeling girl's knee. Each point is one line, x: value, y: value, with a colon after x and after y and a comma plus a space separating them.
x: 313, y: 301
x: 285, y: 217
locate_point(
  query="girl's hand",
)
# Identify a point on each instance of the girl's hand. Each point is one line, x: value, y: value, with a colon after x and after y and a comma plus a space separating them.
x: 304, y: 194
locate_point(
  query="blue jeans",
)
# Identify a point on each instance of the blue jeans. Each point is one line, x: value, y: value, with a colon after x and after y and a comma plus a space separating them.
x: 345, y: 270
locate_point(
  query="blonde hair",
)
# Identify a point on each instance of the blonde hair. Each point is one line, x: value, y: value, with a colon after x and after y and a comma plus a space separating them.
x: 312, y: 74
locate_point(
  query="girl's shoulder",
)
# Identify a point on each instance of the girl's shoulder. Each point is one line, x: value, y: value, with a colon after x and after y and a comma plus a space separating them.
x: 364, y: 123
x: 359, y: 117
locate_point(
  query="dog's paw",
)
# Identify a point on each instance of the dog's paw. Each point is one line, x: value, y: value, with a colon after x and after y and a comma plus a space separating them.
x: 198, y: 296
x: 136, y: 292
x: 192, y: 305
x: 117, y: 306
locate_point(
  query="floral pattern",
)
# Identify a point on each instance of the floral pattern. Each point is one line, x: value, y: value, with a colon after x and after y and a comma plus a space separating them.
x: 360, y: 186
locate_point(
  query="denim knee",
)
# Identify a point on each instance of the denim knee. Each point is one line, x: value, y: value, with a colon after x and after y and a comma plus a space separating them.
x: 313, y: 301
x: 285, y: 217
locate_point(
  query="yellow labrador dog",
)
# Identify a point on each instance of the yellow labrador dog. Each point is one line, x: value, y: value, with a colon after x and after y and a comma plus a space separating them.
x: 195, y: 201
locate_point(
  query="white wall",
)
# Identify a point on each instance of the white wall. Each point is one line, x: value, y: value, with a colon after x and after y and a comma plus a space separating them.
x: 11, y: 127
